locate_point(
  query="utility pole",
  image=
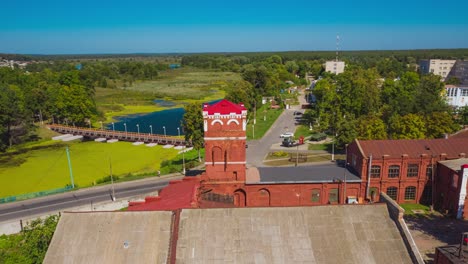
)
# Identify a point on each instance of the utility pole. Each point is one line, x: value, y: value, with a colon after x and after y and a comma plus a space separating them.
x: 344, y: 173
x: 369, y: 176
x: 112, y: 180
x: 183, y: 159
x: 297, y: 153
x: 70, y: 168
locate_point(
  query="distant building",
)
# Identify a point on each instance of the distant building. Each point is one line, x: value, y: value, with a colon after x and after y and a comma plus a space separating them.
x: 457, y: 95
x: 437, y: 67
x: 335, y: 67
x: 460, y: 71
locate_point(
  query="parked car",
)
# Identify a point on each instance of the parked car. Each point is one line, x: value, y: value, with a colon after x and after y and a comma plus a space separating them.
x: 287, y: 135
x: 289, y: 142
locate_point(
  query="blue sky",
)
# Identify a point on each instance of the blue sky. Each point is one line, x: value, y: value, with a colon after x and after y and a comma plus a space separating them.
x: 114, y: 26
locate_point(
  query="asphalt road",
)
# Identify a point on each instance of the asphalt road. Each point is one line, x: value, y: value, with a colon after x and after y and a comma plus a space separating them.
x: 258, y: 149
x: 53, y: 203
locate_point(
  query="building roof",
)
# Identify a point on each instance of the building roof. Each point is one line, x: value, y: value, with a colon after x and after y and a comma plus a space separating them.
x: 452, y: 147
x: 224, y: 107
x: 455, y: 164
x: 461, y: 134
x: 317, y: 234
x: 111, y: 237
x: 177, y: 195
x: 305, y: 174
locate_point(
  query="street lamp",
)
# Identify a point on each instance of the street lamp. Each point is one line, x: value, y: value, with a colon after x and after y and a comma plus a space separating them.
x: 183, y: 159
x: 138, y: 128
x: 125, y: 125
x: 89, y: 122
x: 164, y: 128
x: 113, y: 127
x: 178, y: 131
x: 151, y: 130
x: 101, y: 125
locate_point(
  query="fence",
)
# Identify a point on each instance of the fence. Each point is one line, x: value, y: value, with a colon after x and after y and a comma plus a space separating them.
x: 25, y: 196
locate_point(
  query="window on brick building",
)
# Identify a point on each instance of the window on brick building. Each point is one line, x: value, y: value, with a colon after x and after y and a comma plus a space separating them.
x: 410, y: 193
x: 394, y: 171
x: 413, y: 170
x: 315, y: 196
x: 392, y: 192
x: 375, y: 171
x: 429, y: 172
x: 333, y: 195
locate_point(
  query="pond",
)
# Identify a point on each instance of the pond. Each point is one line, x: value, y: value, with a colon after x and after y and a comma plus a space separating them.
x: 165, y: 121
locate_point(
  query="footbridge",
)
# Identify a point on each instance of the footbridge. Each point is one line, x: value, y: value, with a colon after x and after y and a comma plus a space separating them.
x: 94, y: 133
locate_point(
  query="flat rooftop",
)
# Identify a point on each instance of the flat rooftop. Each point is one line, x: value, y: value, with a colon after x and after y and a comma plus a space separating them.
x: 305, y: 174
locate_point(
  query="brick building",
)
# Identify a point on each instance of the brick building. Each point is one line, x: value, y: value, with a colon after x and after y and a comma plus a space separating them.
x: 404, y: 169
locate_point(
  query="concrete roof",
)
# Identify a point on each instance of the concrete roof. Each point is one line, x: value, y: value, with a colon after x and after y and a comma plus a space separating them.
x: 454, y: 164
x: 100, y: 237
x: 304, y: 174
x: 318, y: 234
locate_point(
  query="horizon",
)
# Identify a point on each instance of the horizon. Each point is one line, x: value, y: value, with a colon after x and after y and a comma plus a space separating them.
x: 118, y: 27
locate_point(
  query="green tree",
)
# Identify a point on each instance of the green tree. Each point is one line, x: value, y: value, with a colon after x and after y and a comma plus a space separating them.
x: 429, y: 95
x: 438, y: 124
x: 371, y: 127
x: 192, y: 124
x: 410, y: 126
x: 12, y: 113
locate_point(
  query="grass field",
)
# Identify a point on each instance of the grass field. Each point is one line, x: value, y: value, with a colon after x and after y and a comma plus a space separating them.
x: 180, y: 86
x: 45, y: 166
x: 262, y: 125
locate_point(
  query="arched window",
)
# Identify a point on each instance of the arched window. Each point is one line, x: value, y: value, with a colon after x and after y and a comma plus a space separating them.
x: 410, y: 193
x: 392, y: 192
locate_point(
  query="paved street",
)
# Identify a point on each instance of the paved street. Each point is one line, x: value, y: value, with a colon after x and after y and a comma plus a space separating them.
x: 258, y: 149
x: 44, y: 205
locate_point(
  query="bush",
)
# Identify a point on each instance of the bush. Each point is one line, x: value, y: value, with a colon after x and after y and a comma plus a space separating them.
x: 279, y: 154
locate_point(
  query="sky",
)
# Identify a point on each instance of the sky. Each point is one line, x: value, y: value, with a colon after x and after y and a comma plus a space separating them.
x: 180, y: 26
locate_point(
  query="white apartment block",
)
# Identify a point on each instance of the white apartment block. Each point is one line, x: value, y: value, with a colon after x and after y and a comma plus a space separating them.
x: 437, y: 67
x: 457, y: 95
x: 335, y: 67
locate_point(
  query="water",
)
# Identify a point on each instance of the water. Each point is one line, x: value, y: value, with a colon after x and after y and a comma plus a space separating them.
x: 168, y: 121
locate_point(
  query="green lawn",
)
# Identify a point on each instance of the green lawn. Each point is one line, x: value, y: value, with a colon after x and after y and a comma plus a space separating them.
x: 45, y: 168
x: 265, y: 119
x: 409, y: 207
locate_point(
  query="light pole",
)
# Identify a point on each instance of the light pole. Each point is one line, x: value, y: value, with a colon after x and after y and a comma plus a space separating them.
x: 344, y: 173
x: 138, y: 128
x: 113, y: 127
x: 178, y: 131
x: 164, y: 128
x: 89, y: 122
x: 101, y: 125
x: 151, y: 129
x: 125, y: 125
x: 183, y: 159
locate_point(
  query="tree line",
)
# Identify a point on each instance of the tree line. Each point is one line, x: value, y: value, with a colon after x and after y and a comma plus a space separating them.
x: 61, y: 92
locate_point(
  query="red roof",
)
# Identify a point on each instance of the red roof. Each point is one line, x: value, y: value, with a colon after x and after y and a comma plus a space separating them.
x: 224, y: 107
x: 461, y: 134
x: 179, y: 194
x: 414, y: 147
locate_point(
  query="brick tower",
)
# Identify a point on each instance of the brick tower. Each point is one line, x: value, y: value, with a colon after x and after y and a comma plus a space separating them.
x: 225, y: 125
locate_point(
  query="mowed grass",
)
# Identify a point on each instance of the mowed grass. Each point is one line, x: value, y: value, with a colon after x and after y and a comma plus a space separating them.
x: 47, y: 168
x: 265, y: 118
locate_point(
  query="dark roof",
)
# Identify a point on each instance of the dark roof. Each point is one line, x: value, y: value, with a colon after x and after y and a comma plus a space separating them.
x: 224, y: 107
x: 305, y: 174
x: 452, y: 147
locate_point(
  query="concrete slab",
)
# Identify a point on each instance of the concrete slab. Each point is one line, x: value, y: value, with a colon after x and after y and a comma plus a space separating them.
x: 319, y: 234
x: 72, y: 138
x: 100, y: 139
x: 138, y: 143
x: 151, y: 145
x: 62, y: 137
x: 178, y: 147
x: 112, y: 140
x: 111, y: 237
x: 168, y: 146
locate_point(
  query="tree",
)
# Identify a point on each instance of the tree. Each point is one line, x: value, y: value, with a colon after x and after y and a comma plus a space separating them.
x: 371, y: 127
x: 410, y: 126
x: 12, y: 113
x: 429, y: 95
x: 192, y: 125
x: 438, y: 124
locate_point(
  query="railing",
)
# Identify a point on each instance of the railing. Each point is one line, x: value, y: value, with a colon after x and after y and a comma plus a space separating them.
x: 120, y: 135
x: 25, y: 196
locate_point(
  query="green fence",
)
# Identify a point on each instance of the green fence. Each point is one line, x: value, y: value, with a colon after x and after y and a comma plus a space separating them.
x: 25, y: 196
